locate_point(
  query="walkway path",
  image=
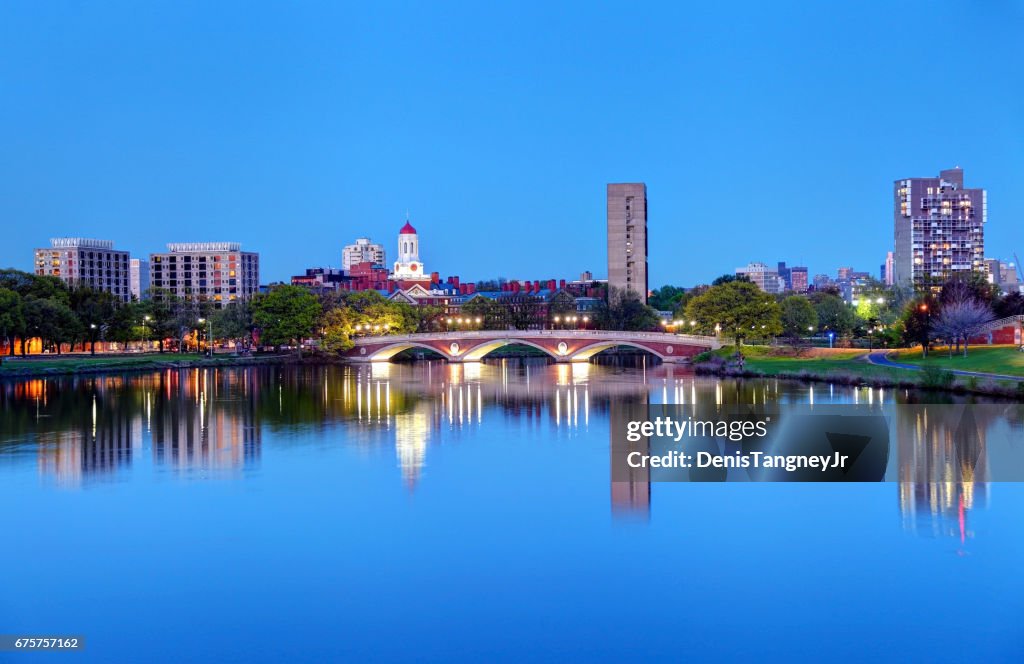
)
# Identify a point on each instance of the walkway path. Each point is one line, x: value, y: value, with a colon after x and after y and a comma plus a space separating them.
x: 881, y: 358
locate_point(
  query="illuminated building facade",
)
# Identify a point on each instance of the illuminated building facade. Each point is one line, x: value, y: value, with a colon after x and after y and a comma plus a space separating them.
x: 939, y: 229
x: 216, y: 272
x: 85, y: 262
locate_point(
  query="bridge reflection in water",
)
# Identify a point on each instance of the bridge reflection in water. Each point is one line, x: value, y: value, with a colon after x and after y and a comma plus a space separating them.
x: 212, y: 422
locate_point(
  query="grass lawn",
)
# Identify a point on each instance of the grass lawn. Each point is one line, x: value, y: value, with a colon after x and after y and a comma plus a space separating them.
x: 989, y: 359
x: 773, y: 360
x: 78, y: 362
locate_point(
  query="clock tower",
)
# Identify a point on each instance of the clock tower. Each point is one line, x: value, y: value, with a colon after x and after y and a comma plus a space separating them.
x: 408, y: 266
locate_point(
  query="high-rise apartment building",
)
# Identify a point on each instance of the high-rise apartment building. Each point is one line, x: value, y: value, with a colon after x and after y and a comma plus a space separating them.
x: 939, y: 229
x: 798, y: 279
x: 84, y: 262
x: 627, y: 237
x: 217, y: 272
x: 138, y: 278
x: 766, y: 278
x: 363, y: 251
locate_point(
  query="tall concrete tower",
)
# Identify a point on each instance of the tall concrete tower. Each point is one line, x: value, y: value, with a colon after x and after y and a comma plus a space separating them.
x: 627, y: 237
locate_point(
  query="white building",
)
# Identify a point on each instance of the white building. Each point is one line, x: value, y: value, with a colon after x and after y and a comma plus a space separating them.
x: 766, y: 278
x: 363, y: 251
x: 138, y: 278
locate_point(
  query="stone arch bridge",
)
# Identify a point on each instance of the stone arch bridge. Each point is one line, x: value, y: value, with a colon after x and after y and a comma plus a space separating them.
x: 562, y: 345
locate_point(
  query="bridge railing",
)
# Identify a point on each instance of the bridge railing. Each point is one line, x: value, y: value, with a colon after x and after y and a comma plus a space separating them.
x: 602, y: 335
x: 1003, y: 322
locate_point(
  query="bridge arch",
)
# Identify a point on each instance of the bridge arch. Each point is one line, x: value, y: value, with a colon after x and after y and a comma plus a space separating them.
x: 584, y: 354
x: 388, y: 352
x: 480, y: 351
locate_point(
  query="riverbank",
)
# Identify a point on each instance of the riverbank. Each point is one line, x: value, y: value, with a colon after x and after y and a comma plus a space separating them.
x: 851, y: 367
x: 52, y: 365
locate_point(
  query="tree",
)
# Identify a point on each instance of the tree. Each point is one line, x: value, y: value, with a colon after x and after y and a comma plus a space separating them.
x: 960, y: 319
x: 834, y: 315
x: 666, y: 298
x: 738, y: 308
x: 286, y: 314
x: 52, y: 321
x: 1012, y: 304
x: 798, y: 316
x: 162, y: 309
x: 624, y: 310
x: 729, y: 278
x: 94, y: 309
x: 126, y: 324
x: 233, y: 322
x: 917, y: 322
x: 12, y: 317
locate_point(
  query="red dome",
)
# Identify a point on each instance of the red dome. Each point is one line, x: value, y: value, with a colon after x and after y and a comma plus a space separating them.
x: 407, y: 229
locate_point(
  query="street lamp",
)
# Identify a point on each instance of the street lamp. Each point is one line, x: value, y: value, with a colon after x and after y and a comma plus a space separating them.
x: 145, y: 337
x: 92, y: 347
x: 831, y: 336
x: 209, y: 335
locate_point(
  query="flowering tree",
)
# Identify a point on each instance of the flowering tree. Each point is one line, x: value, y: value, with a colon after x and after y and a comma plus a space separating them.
x: 960, y: 319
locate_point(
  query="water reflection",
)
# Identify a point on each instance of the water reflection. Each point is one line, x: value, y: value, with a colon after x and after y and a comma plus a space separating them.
x: 214, y: 421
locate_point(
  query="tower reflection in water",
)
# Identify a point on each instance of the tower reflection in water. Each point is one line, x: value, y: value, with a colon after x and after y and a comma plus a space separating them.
x: 213, y: 420
x: 943, y: 467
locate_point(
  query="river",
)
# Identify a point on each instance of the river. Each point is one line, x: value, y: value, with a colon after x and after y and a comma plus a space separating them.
x: 429, y: 511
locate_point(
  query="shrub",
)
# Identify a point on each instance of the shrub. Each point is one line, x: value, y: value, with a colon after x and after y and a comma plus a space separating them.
x: 937, y: 378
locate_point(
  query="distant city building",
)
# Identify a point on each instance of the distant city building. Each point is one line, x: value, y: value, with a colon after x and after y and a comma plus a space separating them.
x: 217, y: 272
x: 765, y: 277
x: 798, y: 279
x: 794, y: 278
x: 408, y: 267
x: 84, y: 262
x: 320, y: 279
x: 627, y: 237
x: 888, y: 277
x: 586, y: 275
x: 939, y: 228
x: 363, y: 251
x: 138, y: 278
x: 822, y: 281
x: 1004, y: 275
x: 851, y: 283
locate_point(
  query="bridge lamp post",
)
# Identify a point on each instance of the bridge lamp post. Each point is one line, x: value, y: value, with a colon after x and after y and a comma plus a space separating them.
x: 586, y: 319
x: 448, y: 322
x: 557, y: 321
x: 478, y: 320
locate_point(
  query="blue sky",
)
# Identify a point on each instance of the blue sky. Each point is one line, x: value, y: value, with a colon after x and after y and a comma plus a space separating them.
x: 764, y: 131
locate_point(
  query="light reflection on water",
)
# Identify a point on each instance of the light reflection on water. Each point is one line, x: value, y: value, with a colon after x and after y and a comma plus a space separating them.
x: 211, y: 422
x: 254, y: 514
